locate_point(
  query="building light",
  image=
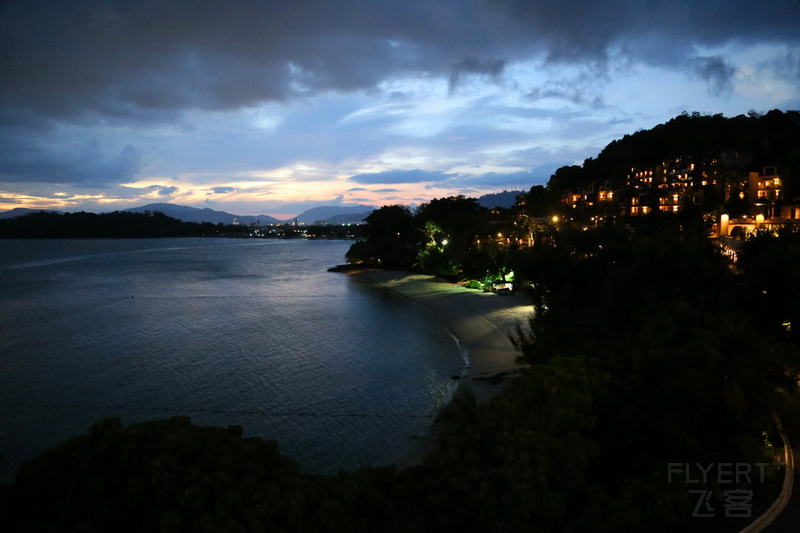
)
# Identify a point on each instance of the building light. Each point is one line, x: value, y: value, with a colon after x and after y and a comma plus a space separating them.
x: 724, y: 220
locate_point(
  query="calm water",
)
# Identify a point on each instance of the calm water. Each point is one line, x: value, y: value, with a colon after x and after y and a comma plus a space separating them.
x: 341, y: 373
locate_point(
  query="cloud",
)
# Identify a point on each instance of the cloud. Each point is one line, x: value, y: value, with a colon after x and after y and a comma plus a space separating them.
x: 24, y: 159
x: 149, y: 60
x: 400, y: 176
x: 715, y: 71
x: 656, y: 32
x: 583, y: 87
x: 475, y: 66
x: 167, y: 191
x: 222, y: 190
x: 788, y: 66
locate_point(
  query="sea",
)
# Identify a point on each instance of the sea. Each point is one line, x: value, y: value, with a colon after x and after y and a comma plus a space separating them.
x: 340, y: 372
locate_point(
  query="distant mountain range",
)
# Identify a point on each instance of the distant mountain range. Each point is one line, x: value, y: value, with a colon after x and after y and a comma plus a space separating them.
x: 503, y: 199
x: 323, y: 215
x: 194, y: 214
x: 22, y: 211
x: 336, y: 214
x: 332, y: 215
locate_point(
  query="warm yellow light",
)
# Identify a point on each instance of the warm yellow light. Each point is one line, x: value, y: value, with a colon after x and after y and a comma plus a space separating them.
x: 759, y: 219
x: 555, y: 219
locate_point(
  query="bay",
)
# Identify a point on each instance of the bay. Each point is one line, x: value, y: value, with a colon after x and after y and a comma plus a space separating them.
x: 257, y: 333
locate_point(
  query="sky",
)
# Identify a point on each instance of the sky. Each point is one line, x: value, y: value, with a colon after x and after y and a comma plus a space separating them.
x: 274, y: 107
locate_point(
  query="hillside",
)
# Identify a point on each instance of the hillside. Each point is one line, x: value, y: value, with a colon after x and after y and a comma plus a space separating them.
x: 740, y: 144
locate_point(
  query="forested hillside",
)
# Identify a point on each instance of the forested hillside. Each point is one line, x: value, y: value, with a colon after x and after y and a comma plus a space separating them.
x: 743, y: 143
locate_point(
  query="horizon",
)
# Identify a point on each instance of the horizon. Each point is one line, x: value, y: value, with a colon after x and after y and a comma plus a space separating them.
x: 256, y: 108
x: 286, y: 217
x: 279, y: 216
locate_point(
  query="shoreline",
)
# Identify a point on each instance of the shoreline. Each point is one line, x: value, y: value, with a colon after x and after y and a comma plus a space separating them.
x: 479, y: 321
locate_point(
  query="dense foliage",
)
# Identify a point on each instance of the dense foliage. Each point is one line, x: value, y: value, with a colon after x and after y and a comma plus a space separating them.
x: 439, y: 238
x: 49, y: 225
x: 170, y: 475
x: 694, y: 373
x: 770, y: 268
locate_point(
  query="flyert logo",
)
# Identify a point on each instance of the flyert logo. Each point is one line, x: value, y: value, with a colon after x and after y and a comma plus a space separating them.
x: 737, y: 502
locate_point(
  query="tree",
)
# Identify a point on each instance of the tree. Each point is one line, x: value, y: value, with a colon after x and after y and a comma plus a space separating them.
x: 452, y: 226
x: 770, y: 266
x: 392, y: 237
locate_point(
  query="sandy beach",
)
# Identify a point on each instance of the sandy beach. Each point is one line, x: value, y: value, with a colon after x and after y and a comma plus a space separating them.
x: 480, y: 321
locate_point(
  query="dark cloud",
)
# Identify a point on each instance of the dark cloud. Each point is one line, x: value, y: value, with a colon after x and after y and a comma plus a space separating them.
x: 715, y: 71
x: 400, y: 176
x: 222, y: 190
x: 167, y: 191
x: 147, y: 60
x: 788, y: 66
x: 474, y: 66
x: 656, y: 31
x: 585, y: 87
x: 25, y: 160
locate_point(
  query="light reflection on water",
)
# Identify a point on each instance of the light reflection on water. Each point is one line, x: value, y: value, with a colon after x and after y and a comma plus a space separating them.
x: 255, y: 333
